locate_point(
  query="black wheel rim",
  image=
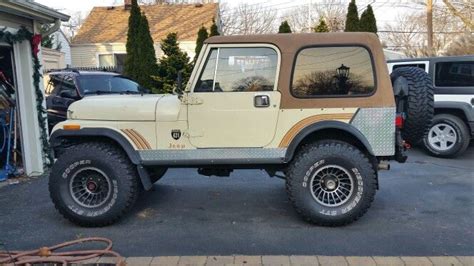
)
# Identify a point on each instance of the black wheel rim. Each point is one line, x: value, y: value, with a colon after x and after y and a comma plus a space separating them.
x: 90, y: 187
x: 332, y: 185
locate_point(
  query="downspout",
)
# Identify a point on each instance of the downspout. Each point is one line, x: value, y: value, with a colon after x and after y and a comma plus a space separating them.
x: 54, y: 28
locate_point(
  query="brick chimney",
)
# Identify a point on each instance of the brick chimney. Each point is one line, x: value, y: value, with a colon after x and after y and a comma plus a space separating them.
x: 127, y: 4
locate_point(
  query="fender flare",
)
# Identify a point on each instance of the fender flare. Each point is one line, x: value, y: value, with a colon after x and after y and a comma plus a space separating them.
x: 466, y: 108
x: 326, y: 125
x: 56, y: 136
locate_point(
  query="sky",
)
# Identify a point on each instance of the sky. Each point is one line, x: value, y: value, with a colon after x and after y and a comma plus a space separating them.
x: 386, y: 11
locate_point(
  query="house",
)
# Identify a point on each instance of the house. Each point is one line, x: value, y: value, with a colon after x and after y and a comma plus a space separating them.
x: 59, y: 56
x: 24, y: 18
x: 101, y: 40
x: 61, y: 41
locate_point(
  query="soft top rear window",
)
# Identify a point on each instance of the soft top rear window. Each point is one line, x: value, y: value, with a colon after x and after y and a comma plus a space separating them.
x: 333, y: 72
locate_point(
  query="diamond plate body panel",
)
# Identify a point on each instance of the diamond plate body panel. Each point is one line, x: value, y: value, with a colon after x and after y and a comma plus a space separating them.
x: 378, y: 126
x: 213, y: 156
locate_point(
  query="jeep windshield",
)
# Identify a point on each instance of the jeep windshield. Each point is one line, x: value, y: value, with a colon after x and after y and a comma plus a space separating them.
x: 107, y: 84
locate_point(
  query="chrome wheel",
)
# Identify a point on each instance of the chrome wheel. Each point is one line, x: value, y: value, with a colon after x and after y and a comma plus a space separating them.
x: 331, y: 185
x: 442, y: 137
x: 90, y: 187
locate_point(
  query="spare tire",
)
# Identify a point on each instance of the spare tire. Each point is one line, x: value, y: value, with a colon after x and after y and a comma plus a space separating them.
x: 413, y: 89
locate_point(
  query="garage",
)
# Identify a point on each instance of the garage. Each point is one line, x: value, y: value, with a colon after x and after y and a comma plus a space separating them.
x: 23, y: 135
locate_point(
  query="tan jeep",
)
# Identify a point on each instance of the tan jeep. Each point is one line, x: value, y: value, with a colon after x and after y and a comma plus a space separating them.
x: 316, y: 109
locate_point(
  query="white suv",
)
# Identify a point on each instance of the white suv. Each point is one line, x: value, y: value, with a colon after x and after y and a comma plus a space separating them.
x: 453, y: 82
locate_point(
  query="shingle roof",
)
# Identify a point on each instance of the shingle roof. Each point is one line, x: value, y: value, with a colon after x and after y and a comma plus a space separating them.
x: 110, y: 24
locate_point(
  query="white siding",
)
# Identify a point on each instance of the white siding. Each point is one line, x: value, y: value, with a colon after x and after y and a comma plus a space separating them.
x: 59, y: 38
x: 86, y: 55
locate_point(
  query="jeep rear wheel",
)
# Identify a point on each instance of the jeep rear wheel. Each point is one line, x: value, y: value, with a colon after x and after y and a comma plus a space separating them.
x: 447, y: 137
x: 93, y: 184
x: 331, y: 183
x: 413, y: 89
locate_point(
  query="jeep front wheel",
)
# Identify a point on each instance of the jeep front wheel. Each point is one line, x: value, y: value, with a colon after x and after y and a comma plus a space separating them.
x: 93, y: 184
x: 331, y: 183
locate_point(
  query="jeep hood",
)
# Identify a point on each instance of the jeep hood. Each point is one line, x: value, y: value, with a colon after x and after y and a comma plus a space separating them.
x: 116, y: 107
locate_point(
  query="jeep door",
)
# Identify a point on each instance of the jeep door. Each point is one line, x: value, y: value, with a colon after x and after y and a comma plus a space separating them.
x: 234, y: 100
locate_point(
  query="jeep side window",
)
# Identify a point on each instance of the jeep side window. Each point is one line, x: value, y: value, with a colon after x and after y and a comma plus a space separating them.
x: 333, y: 71
x: 454, y: 74
x: 239, y: 70
x: 206, y: 80
x: 55, y: 84
x: 68, y: 86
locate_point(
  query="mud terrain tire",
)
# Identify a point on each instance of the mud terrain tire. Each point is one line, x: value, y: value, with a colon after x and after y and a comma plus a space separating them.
x: 419, y: 103
x: 331, y: 167
x: 106, y: 177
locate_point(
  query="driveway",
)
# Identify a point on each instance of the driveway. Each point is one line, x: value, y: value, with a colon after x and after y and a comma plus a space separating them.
x: 423, y: 208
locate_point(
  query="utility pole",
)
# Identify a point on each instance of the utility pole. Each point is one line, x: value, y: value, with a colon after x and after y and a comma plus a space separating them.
x: 429, y: 23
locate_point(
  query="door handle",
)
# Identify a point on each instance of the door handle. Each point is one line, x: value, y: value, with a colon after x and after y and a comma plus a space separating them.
x: 261, y: 100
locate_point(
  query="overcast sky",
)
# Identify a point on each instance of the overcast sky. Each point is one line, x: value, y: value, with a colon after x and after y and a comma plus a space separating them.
x: 385, y: 11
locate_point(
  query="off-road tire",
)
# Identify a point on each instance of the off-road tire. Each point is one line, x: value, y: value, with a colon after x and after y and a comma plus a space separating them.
x: 157, y: 173
x: 419, y: 105
x: 461, y: 132
x: 315, y: 157
x: 94, y: 156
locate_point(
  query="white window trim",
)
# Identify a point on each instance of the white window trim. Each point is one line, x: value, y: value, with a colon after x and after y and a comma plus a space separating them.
x: 107, y: 53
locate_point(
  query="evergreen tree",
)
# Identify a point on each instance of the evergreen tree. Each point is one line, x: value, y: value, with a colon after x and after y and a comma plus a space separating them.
x: 140, y: 63
x: 322, y: 26
x: 214, y: 31
x: 146, y: 55
x: 352, y: 18
x: 131, y: 67
x: 202, y: 36
x: 174, y: 60
x: 367, y: 21
x: 284, y: 27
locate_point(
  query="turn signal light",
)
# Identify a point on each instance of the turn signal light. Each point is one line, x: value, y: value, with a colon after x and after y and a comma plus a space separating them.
x: 399, y: 121
x: 71, y: 127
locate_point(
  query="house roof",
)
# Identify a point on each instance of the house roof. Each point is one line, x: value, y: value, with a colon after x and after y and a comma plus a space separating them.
x: 110, y: 24
x: 31, y: 9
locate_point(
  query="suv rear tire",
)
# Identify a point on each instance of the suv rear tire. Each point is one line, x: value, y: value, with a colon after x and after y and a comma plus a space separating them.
x: 94, y: 184
x: 331, y: 183
x: 419, y: 103
x: 447, y: 137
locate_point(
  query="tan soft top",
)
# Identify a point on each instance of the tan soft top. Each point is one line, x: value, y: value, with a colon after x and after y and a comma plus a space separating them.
x: 290, y: 43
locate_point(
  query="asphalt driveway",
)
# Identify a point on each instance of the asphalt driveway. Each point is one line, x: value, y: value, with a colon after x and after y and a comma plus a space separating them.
x: 423, y: 208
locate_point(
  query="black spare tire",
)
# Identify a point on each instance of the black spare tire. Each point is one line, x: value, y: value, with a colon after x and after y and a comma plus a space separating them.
x: 413, y: 89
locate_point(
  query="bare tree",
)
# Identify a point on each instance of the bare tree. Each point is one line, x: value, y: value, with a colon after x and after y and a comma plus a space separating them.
x: 463, y: 9
x: 461, y: 45
x: 304, y: 18
x: 247, y: 19
x: 71, y: 27
x: 408, y: 33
